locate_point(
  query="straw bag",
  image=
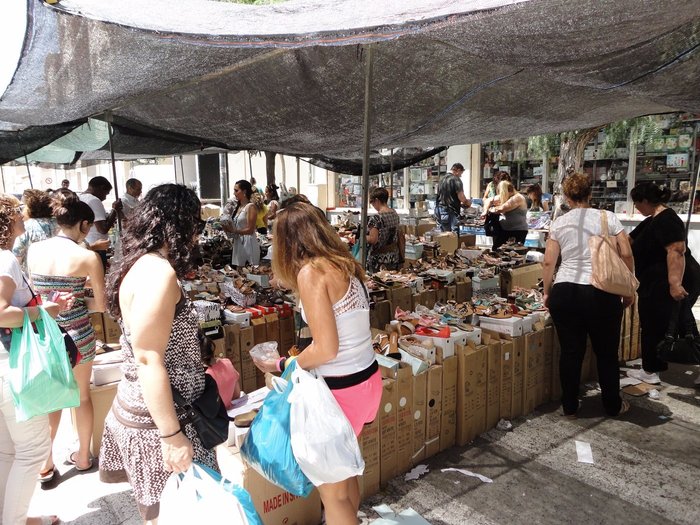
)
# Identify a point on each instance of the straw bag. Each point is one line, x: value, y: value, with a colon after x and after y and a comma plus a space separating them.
x: 610, y: 273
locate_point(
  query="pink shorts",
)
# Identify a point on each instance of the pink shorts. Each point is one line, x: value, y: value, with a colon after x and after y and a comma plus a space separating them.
x: 360, y: 403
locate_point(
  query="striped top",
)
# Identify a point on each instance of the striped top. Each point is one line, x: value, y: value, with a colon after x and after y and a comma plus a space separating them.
x: 76, y: 320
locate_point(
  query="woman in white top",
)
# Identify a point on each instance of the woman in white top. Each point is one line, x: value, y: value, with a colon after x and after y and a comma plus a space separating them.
x: 23, y: 445
x: 578, y: 309
x: 310, y: 258
x: 246, y: 249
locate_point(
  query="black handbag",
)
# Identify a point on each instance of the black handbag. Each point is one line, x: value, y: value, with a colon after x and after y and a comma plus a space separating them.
x: 207, y: 413
x: 679, y: 348
x: 492, y: 224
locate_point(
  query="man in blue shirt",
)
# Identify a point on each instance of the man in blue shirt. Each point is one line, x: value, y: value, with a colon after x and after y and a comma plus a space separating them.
x: 450, y: 199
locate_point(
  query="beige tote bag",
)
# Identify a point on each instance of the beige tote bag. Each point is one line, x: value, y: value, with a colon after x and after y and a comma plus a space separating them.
x: 610, y: 273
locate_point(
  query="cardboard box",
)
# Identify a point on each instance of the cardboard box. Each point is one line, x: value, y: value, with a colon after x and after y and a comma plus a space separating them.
x: 471, y: 394
x: 248, y: 369
x: 547, y: 364
x: 506, y: 380
x: 420, y: 383
x: 404, y: 428
x: 380, y: 314
x: 518, y: 376
x: 287, y: 334
x: 401, y: 298
x: 441, y: 294
x: 112, y: 332
x: 102, y: 397
x: 510, y: 326
x: 97, y: 325
x: 468, y: 239
x: 532, y: 379
x: 464, y: 290
x: 522, y: 277
x: 448, y: 242
x: 259, y: 330
x: 434, y: 410
x: 493, y: 384
x: 369, y: 444
x: 415, y: 300
x: 272, y: 324
x: 232, y: 346
x: 274, y: 505
x: 388, y: 422
x: 429, y: 298
x: 556, y: 355
x: 452, y: 292
x: 448, y: 420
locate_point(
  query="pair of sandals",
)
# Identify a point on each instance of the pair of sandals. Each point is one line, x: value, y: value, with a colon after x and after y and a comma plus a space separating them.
x: 48, y: 475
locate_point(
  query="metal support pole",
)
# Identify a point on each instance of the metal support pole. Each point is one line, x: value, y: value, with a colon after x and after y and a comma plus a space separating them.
x: 250, y: 164
x: 110, y: 130
x: 691, y: 201
x: 2, y: 174
x: 175, y: 167
x: 26, y: 163
x: 182, y: 171
x: 298, y: 188
x: 365, y: 157
x: 391, y: 178
x: 223, y: 178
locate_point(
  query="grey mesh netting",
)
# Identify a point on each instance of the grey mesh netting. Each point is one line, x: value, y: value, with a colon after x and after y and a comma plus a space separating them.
x: 289, y: 78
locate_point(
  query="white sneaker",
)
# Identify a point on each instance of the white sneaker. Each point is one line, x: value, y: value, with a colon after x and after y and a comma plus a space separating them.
x: 652, y: 379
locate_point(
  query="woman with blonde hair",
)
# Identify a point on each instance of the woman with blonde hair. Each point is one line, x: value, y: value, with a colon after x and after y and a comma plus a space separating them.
x: 513, y: 207
x: 309, y: 257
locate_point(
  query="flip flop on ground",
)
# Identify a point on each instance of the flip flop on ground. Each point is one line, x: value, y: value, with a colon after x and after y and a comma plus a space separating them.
x: 72, y: 461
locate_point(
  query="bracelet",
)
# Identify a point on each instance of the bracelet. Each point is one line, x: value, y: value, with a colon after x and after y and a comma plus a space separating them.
x: 280, y: 364
x: 171, y: 435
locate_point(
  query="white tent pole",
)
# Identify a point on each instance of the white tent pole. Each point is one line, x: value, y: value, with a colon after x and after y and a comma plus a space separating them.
x: 2, y: 174
x: 26, y: 163
x: 110, y: 130
x: 365, y: 156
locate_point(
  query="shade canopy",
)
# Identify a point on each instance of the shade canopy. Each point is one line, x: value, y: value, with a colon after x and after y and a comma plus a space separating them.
x: 289, y: 77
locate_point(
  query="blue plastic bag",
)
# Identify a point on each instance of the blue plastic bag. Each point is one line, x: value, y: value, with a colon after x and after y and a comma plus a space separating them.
x: 356, y: 251
x: 41, y: 378
x: 200, y: 495
x: 267, y: 446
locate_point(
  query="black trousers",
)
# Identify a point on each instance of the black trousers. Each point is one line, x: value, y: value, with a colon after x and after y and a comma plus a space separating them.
x: 654, y: 316
x: 504, y: 235
x: 579, y: 312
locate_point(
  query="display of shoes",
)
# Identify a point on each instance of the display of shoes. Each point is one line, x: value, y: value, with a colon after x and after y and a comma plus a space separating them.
x: 642, y: 375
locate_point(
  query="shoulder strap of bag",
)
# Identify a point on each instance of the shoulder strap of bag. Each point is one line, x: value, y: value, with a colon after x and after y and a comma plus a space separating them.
x: 604, y: 223
x: 177, y: 397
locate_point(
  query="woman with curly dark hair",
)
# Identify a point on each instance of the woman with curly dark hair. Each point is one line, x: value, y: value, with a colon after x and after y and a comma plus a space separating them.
x: 39, y: 223
x: 146, y: 438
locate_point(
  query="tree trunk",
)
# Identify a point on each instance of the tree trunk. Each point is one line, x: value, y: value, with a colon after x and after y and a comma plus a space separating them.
x: 570, y: 161
x: 270, y: 167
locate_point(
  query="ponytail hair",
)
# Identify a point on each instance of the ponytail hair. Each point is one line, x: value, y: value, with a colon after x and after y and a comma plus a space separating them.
x: 69, y: 210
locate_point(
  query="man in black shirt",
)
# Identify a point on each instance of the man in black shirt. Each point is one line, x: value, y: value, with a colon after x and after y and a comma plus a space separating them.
x: 450, y: 199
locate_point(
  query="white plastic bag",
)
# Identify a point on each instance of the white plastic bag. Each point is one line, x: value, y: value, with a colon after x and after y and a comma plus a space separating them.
x: 323, y: 441
x: 195, y: 497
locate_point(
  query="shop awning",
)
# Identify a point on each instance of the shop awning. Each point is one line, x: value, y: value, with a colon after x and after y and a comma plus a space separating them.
x: 289, y: 77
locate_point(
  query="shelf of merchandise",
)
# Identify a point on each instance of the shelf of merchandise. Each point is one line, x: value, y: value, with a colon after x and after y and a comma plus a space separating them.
x: 510, y: 156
